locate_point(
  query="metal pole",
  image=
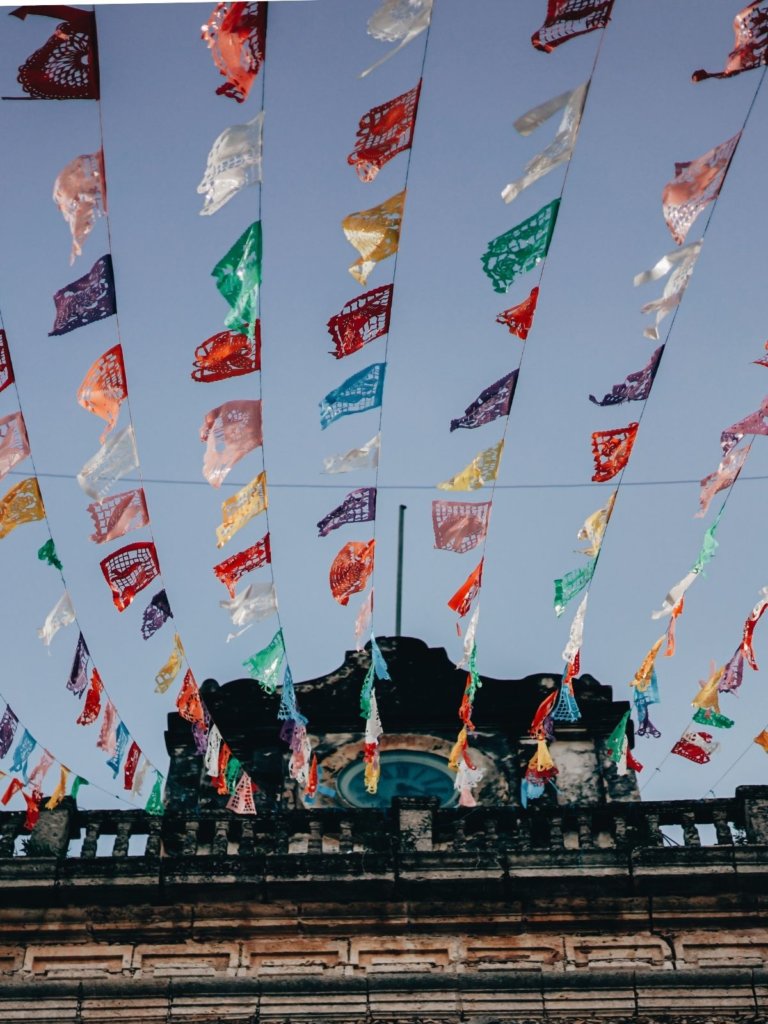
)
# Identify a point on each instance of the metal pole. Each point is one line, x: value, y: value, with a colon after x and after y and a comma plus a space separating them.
x: 399, y: 598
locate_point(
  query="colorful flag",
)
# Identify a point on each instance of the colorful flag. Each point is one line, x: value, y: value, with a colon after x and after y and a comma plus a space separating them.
x: 8, y: 725
x: 264, y: 666
x: 683, y: 261
x: 230, y: 432
x: 241, y: 801
x: 351, y: 570
x: 492, y: 402
x: 61, y: 789
x: 66, y: 67
x: 696, y: 746
x: 104, y: 388
x: 236, y: 36
x: 244, y: 504
x: 92, y: 706
x: 709, y: 546
x: 695, y: 184
x: 567, y: 19
x: 122, y: 736
x: 255, y: 602
x: 637, y: 385
x: 358, y: 507
x: 238, y: 276
x: 22, y: 504
x: 375, y: 233
x: 611, y: 450
x: 78, y: 675
x: 60, y: 614
x: 594, y: 526
x: 228, y: 354
x: 6, y: 366
x: 85, y: 301
x: 234, y: 162
x: 560, y: 148
x: 394, y: 21
x: 750, y: 44
x: 129, y: 570
x: 755, y: 423
x: 733, y: 674
x: 677, y: 611
x: 361, y: 321
x: 172, y: 667
x: 14, y: 443
x: 116, y: 457
x: 21, y: 755
x: 646, y: 674
x: 359, y: 393
x: 47, y: 554
x: 708, y: 695
x: 675, y: 596
x: 236, y: 566
x: 762, y: 740
x: 212, y: 752
x: 749, y: 628
x: 81, y: 196
x: 462, y: 600
x: 156, y: 614
x: 521, y: 248
x: 365, y: 457
x: 384, y: 132
x: 576, y: 634
x: 460, y: 525
x: 131, y: 761
x: 724, y: 476
x: 568, y: 586
x: 188, y: 702
x: 117, y: 515
x: 482, y: 470
x: 363, y: 621
x: 519, y: 319
x: 468, y: 644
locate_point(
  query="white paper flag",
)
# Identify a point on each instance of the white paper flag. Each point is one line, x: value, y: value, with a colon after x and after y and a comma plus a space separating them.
x: 469, y: 638
x: 62, y: 614
x: 116, y: 457
x: 673, y: 597
x: 254, y: 602
x: 366, y: 457
x: 234, y: 162
x: 576, y: 636
x: 211, y: 760
x: 683, y: 261
x: 397, y: 20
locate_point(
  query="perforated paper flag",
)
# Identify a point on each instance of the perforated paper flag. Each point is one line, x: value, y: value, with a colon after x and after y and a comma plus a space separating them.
x: 188, y: 702
x: 384, y: 132
x: 755, y: 423
x: 172, y: 666
x: 156, y: 614
x: 23, y: 503
x: 62, y: 614
x: 398, y: 21
x: 568, y: 586
x: 92, y: 706
x: 675, y: 595
x: 116, y: 458
x: 637, y: 385
x: 358, y: 507
x: 521, y: 248
x: 238, y: 276
x: 462, y: 600
x: 80, y: 194
x: 8, y: 725
x: 85, y: 301
x: 375, y: 233
x: 723, y: 477
x: 236, y: 566
x: 351, y: 570
x: 594, y: 527
x: 681, y: 262
x: 611, y: 450
x: 107, y: 740
x: 359, y: 393
x: 567, y: 19
x: 66, y: 67
x: 365, y: 457
x: 236, y: 36
x: 118, y: 514
x: 264, y: 666
x: 6, y: 366
x: 696, y: 746
x: 519, y: 319
x: 128, y: 570
x: 104, y: 388
x: 229, y: 432
x: 228, y: 354
x: 78, y: 675
x: 750, y: 44
x: 361, y: 321
x: 492, y: 402
x: 255, y: 602
x: 234, y: 162
x: 749, y: 628
x: 460, y: 525
x: 482, y: 470
x: 560, y: 148
x: 14, y: 443
x: 236, y: 511
x: 695, y: 184
x: 576, y: 634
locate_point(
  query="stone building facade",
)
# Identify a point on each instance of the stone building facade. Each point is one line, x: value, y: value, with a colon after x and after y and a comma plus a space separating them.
x: 587, y: 905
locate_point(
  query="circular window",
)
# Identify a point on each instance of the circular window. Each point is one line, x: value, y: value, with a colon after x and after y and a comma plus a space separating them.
x: 403, y: 773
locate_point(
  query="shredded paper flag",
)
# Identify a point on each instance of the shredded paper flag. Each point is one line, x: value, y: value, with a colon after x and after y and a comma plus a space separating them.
x: 695, y: 184
x: 360, y: 392
x: 483, y: 469
x: 104, y: 388
x: 750, y: 44
x: 611, y: 450
x: 361, y: 321
x: 236, y: 566
x: 395, y: 21
x: 62, y: 614
x: 521, y: 248
x: 14, y: 443
x: 724, y: 476
x: 375, y: 233
x: 238, y: 276
x: 460, y: 525
x: 236, y: 36
x: 519, y: 319
x: 384, y: 132
x: 117, y: 515
x: 234, y: 162
x: 236, y: 511
x: 88, y: 299
x: 172, y: 666
x: 66, y: 67
x: 568, y: 586
x: 492, y: 402
x: 567, y: 19
x: 749, y: 629
x: 351, y: 570
x: 365, y: 457
x: 229, y: 432
x: 636, y: 387
x: 560, y: 148
x: 47, y: 554
x: 22, y: 504
x: 681, y: 262
x: 755, y: 423
x: 358, y: 507
x: 128, y: 570
x: 228, y: 354
x: 116, y: 457
x: 80, y: 194
x: 156, y: 614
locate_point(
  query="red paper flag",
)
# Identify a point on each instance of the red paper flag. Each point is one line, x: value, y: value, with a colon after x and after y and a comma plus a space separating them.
x: 33, y: 799
x: 462, y: 600
x: 236, y: 566
x: 228, y: 354
x: 519, y: 318
x: 567, y: 19
x: 362, y: 320
x: 129, y: 570
x: 66, y: 67
x: 236, y: 36
x: 749, y: 628
x: 92, y: 707
x: 351, y: 569
x: 188, y: 703
x: 750, y: 44
x: 6, y: 367
x: 460, y: 525
x: 131, y: 762
x: 384, y: 132
x: 695, y: 746
x: 611, y: 450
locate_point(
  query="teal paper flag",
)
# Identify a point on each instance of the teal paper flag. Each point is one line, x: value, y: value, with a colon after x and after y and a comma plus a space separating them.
x: 264, y: 666
x: 572, y: 584
x: 521, y: 248
x: 238, y: 276
x: 155, y: 802
x: 358, y: 393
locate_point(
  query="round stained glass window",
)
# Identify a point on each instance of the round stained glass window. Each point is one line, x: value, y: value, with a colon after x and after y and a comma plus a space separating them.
x: 403, y: 773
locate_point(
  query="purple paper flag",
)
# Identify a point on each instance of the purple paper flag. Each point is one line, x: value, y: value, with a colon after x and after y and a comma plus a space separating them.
x: 636, y: 387
x: 8, y: 725
x: 491, y: 403
x: 78, y: 677
x: 157, y: 612
x: 752, y: 424
x: 86, y: 300
x: 733, y: 673
x: 358, y: 507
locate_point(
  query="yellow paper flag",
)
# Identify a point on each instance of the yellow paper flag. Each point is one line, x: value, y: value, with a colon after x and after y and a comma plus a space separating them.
x: 22, y: 504
x: 375, y: 233
x: 594, y: 528
x: 236, y: 511
x: 171, y: 668
x: 707, y: 697
x: 482, y: 470
x: 644, y: 674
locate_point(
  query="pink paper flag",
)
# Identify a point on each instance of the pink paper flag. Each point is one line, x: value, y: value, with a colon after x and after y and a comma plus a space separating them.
x: 14, y: 444
x: 230, y: 431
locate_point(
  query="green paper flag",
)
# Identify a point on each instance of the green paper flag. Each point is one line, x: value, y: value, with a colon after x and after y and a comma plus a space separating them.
x: 47, y: 553
x: 708, y: 547
x: 234, y: 767
x: 264, y: 666
x: 572, y: 584
x: 76, y: 784
x: 706, y: 716
x: 365, y: 694
x: 475, y: 681
x: 615, y: 742
x: 238, y: 276
x: 155, y: 802
x: 521, y: 248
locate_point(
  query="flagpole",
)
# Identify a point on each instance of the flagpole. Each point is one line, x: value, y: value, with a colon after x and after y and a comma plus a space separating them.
x: 399, y: 597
